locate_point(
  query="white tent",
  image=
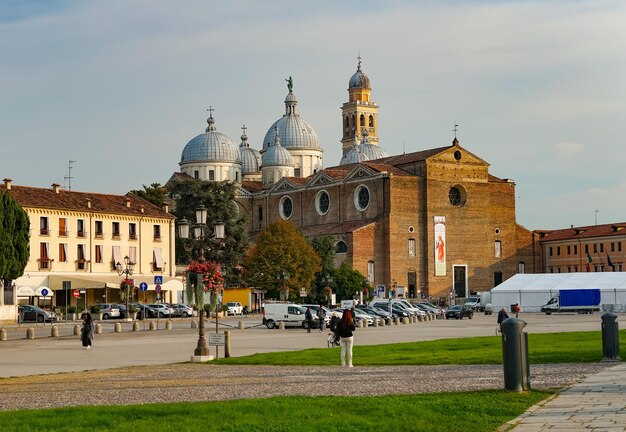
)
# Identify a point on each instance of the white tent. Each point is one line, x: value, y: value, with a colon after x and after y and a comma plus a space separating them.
x: 531, y: 291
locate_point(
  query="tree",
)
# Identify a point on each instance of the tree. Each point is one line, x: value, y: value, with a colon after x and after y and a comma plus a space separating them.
x: 155, y: 193
x: 325, y: 247
x: 14, y: 245
x: 347, y: 282
x: 219, y: 200
x: 281, y: 258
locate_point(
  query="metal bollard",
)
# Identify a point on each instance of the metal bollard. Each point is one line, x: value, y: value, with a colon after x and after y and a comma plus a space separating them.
x: 610, y: 337
x: 168, y: 325
x: 54, y: 331
x: 30, y: 333
x: 281, y: 325
x: 153, y: 325
x: 76, y: 330
x: 241, y: 325
x: 117, y: 328
x: 98, y: 328
x: 136, y: 326
x: 3, y: 334
x: 227, y: 343
x: 515, y: 355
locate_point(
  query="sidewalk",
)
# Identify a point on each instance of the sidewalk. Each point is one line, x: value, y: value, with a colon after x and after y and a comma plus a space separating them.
x: 596, y: 404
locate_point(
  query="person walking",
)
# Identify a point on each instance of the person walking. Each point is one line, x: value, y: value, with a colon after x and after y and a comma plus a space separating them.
x: 321, y: 315
x: 345, y: 327
x: 502, y: 315
x: 86, y: 334
x: 308, y: 317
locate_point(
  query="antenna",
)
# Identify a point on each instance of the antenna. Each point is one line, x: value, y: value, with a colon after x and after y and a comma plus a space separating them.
x: 596, y: 217
x: 456, y: 128
x: 403, y: 146
x: 69, y: 177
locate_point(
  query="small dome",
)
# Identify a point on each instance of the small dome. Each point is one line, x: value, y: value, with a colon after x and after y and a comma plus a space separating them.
x: 210, y: 146
x: 359, y: 79
x: 276, y: 155
x: 371, y: 151
x: 353, y: 155
x: 250, y: 158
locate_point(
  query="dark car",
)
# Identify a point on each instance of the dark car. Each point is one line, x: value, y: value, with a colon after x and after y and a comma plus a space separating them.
x: 28, y: 313
x: 145, y: 311
x: 459, y: 311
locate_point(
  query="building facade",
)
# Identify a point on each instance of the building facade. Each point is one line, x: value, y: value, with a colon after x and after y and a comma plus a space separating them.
x: 79, y: 237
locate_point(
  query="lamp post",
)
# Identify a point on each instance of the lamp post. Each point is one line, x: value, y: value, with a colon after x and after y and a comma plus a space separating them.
x: 127, y: 271
x: 202, y: 241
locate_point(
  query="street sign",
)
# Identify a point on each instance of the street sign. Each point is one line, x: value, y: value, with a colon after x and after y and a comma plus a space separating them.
x: 143, y: 286
x: 158, y: 280
x: 216, y: 339
x: 158, y: 288
x: 302, y: 292
x: 76, y: 293
x: 44, y: 292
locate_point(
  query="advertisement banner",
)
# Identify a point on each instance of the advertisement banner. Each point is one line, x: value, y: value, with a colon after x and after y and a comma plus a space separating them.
x: 440, y: 245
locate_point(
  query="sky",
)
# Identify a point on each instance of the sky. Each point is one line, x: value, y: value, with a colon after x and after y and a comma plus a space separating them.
x: 538, y: 88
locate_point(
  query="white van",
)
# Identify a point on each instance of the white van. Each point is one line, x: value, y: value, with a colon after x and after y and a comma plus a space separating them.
x: 289, y: 313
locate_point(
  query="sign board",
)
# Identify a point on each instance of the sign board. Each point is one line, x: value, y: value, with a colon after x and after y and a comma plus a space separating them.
x: 83, y: 291
x: 158, y: 280
x: 45, y: 292
x: 302, y: 292
x: 76, y: 293
x: 216, y: 339
x: 347, y: 304
x: 143, y: 286
x: 158, y: 288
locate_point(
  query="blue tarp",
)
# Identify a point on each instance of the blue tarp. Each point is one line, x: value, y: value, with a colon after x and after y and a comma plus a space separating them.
x: 580, y: 297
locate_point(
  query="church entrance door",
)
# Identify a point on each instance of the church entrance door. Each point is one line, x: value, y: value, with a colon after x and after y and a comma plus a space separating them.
x: 460, y: 281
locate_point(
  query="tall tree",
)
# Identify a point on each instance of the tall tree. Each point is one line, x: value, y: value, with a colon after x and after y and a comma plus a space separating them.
x: 325, y: 247
x: 281, y: 258
x: 219, y: 200
x: 155, y: 193
x: 347, y: 282
x: 14, y: 245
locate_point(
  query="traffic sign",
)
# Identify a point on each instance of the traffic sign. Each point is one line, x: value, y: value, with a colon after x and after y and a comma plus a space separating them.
x: 44, y: 292
x: 143, y: 286
x: 158, y: 288
x: 76, y: 293
x: 158, y: 280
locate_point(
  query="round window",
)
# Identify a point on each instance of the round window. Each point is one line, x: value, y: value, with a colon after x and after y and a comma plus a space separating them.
x: 361, y: 197
x: 322, y: 202
x: 457, y: 196
x: 286, y: 207
x: 457, y: 155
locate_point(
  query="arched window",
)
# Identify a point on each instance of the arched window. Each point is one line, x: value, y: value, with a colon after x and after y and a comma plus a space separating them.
x: 341, y: 247
x: 371, y: 124
x: 286, y: 207
x: 361, y: 121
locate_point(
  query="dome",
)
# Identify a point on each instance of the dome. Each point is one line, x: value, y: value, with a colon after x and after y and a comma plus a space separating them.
x: 276, y: 154
x: 353, y: 155
x: 210, y: 146
x: 250, y: 158
x: 373, y: 151
x: 359, y: 79
x: 295, y: 132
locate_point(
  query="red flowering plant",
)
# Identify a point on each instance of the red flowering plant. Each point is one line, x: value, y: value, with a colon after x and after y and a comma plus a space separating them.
x: 125, y: 288
x: 204, y: 277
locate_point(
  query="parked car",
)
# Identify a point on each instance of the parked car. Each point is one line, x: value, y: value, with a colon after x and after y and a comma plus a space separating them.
x: 292, y: 315
x: 459, y: 311
x: 108, y: 310
x: 234, y: 308
x: 182, y: 310
x: 360, y: 315
x: 145, y: 311
x: 374, y: 311
x: 29, y: 313
x: 162, y: 309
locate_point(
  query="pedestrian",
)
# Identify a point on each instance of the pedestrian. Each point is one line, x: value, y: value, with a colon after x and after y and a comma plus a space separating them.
x: 332, y: 325
x: 308, y: 317
x: 502, y: 315
x: 245, y: 310
x: 86, y: 334
x: 321, y: 315
x: 516, y: 309
x: 345, y: 327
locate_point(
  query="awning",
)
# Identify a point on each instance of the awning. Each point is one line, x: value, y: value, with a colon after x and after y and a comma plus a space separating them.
x: 86, y: 281
x: 158, y: 258
x: 31, y: 286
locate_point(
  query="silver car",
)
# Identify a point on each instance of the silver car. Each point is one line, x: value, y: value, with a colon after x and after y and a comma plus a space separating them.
x: 162, y: 309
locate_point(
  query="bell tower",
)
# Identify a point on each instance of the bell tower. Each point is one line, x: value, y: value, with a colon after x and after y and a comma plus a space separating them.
x: 359, y: 112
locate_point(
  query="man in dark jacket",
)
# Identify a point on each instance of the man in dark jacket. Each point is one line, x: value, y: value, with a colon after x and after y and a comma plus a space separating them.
x: 502, y: 315
x: 308, y: 317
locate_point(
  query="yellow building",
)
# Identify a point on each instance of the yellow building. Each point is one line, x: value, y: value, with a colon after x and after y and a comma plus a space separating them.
x: 77, y: 240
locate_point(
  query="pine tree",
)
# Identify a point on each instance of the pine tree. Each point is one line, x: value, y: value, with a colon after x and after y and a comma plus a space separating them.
x: 14, y: 244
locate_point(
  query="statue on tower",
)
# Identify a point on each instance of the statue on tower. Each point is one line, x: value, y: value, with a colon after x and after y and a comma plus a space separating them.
x: 289, y: 83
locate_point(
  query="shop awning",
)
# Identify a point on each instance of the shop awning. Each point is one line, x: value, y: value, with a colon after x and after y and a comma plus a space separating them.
x: 86, y: 281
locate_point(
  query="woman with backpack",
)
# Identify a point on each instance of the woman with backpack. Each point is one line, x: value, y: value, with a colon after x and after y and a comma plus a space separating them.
x: 345, y: 327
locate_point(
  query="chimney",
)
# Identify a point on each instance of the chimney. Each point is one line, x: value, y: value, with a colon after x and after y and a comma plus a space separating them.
x: 88, y: 202
x: 56, y: 187
x: 127, y: 202
x: 7, y: 183
x: 141, y: 209
x: 166, y: 208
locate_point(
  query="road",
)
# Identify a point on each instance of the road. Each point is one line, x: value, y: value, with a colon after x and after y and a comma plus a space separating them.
x: 44, y: 354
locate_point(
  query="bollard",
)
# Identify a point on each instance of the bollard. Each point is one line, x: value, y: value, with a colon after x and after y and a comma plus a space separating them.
x: 54, y: 331
x: 153, y: 325
x: 405, y: 320
x: 610, y: 338
x: 194, y: 324
x: 168, y: 325
x: 515, y: 355
x: 3, y: 334
x: 76, y: 330
x: 136, y: 326
x: 281, y: 325
x: 382, y: 322
x: 389, y: 321
x: 241, y: 325
x: 30, y: 333
x: 420, y: 318
x: 397, y: 321
x: 359, y: 324
x: 375, y: 323
x: 227, y: 343
x: 118, y: 328
x: 98, y: 328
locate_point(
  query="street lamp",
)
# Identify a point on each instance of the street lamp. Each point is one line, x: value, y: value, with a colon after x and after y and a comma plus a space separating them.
x: 127, y: 270
x: 202, y: 242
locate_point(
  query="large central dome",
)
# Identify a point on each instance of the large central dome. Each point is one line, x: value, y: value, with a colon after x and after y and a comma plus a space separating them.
x: 210, y: 146
x: 293, y: 131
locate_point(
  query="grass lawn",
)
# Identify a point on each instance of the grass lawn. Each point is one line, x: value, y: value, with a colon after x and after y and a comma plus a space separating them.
x: 543, y: 348
x: 480, y: 411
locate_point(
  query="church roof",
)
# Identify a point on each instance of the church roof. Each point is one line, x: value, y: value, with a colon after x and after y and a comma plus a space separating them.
x: 573, y: 233
x: 339, y: 228
x: 359, y: 79
x: 211, y: 146
x: 417, y: 156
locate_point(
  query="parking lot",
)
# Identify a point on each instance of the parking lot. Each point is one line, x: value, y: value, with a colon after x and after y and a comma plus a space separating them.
x: 45, y: 354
